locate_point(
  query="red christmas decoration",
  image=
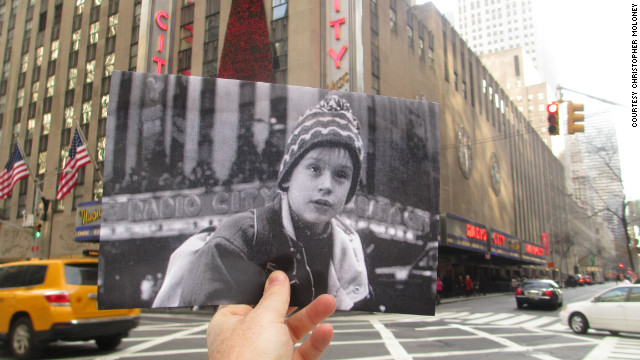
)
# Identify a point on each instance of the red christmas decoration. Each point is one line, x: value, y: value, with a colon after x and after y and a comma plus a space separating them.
x: 246, y: 53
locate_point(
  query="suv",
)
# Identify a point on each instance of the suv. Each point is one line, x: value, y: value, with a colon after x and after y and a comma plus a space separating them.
x: 43, y: 301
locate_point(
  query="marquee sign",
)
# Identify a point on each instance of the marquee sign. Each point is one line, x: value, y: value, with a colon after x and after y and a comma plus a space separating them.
x: 505, y: 245
x: 88, y: 221
x: 533, y: 253
x: 465, y: 234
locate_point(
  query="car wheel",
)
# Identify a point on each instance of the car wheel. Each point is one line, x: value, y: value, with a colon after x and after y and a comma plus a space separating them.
x: 520, y: 305
x: 21, y: 339
x: 578, y: 323
x: 108, y: 342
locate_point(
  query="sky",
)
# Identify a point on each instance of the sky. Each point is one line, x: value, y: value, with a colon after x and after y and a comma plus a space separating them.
x: 591, y: 43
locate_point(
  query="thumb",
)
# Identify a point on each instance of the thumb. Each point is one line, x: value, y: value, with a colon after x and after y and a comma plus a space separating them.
x: 274, y: 304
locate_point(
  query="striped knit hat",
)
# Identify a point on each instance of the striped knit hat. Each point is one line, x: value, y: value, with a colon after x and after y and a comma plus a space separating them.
x: 330, y: 123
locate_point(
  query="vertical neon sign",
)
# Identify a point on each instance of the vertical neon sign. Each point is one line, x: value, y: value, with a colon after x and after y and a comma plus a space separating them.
x: 337, y: 38
x: 160, y: 62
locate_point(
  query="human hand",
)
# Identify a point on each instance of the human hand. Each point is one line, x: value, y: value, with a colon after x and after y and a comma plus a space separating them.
x: 264, y: 332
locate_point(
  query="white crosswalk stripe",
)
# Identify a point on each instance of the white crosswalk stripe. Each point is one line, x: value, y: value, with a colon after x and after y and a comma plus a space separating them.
x: 613, y: 347
x: 503, y: 319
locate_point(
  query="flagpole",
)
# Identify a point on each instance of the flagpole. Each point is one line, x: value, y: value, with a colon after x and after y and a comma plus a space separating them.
x: 25, y: 159
x: 36, y: 186
x: 84, y: 141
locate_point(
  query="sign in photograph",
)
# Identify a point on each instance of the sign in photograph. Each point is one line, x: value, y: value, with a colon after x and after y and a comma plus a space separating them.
x: 212, y: 184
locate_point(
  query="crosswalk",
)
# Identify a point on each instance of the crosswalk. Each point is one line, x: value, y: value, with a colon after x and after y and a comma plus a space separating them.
x: 503, y: 319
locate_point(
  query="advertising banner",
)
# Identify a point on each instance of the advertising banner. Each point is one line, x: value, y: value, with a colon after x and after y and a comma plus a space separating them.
x: 211, y: 184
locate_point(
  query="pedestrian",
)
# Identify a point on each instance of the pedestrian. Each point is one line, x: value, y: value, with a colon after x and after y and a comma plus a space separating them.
x: 301, y: 233
x: 265, y: 332
x: 634, y: 278
x: 438, y: 290
x: 460, y: 285
x: 468, y: 286
x: 621, y: 280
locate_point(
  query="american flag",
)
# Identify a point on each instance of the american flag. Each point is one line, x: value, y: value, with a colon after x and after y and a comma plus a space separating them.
x: 78, y: 157
x: 15, y: 170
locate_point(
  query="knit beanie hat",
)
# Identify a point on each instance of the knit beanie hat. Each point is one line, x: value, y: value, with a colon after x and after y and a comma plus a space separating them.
x: 330, y: 123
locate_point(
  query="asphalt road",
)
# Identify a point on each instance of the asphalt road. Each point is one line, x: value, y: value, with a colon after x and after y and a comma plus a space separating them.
x: 483, y: 327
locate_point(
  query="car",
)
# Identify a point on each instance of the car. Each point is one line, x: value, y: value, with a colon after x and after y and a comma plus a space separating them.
x: 408, y: 288
x: 614, y: 310
x: 539, y: 292
x: 46, y: 300
x: 587, y: 280
x: 574, y: 280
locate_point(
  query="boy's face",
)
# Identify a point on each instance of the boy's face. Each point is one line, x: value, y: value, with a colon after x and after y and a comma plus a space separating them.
x: 319, y: 185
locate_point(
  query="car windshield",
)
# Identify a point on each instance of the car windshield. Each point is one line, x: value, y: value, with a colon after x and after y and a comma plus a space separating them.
x: 536, y: 285
x: 81, y: 274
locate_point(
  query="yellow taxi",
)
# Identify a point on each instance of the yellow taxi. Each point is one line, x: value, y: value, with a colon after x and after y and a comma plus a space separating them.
x: 43, y: 301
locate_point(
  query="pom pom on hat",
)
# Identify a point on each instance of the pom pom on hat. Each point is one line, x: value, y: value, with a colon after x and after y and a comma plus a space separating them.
x: 330, y: 123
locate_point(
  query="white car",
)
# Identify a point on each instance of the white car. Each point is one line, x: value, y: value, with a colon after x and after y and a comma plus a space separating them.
x: 615, y: 310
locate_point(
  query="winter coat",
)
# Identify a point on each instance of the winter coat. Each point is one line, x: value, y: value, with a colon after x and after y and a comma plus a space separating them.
x: 230, y: 265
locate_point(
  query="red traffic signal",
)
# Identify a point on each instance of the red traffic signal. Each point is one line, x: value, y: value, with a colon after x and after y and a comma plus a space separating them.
x: 553, y: 119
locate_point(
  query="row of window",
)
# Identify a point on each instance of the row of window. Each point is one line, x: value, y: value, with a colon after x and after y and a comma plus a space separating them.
x: 72, y: 82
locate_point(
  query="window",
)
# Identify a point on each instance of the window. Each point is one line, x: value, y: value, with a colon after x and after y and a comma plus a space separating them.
x: 22, y: 276
x: 42, y: 162
x: 39, y: 54
x: 75, y: 41
x: 393, y: 21
x: 109, y: 62
x: 410, y: 36
x: 94, y: 33
x: 86, y: 112
x: 73, y: 77
x: 614, y: 295
x: 55, y: 45
x: 51, y: 82
x: 104, y: 105
x: 279, y: 9
x: 87, y: 91
x: 68, y: 118
x: 90, y: 72
x: 46, y: 123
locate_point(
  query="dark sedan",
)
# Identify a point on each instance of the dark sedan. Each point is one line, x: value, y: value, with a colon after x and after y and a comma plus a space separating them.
x: 539, y: 292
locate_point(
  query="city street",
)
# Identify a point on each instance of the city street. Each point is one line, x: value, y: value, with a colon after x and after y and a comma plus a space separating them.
x: 483, y: 327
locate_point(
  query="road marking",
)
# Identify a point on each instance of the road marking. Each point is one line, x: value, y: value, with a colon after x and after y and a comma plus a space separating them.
x: 507, y: 343
x: 542, y: 320
x: 515, y: 320
x: 145, y: 345
x: 393, y: 345
x: 476, y: 315
x: 612, y: 347
x: 453, y: 315
x: 168, y: 352
x: 489, y: 319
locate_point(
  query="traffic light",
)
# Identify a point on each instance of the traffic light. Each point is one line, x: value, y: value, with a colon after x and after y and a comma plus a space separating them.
x: 573, y: 118
x: 37, y: 230
x: 553, y: 118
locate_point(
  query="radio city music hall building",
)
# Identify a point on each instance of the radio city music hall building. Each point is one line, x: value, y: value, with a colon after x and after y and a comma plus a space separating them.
x: 501, y: 188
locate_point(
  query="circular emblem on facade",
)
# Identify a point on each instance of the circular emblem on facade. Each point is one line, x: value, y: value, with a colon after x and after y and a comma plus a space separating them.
x: 495, y: 173
x: 465, y: 158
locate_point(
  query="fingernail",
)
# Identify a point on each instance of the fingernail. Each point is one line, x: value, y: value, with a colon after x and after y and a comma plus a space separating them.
x: 276, y: 277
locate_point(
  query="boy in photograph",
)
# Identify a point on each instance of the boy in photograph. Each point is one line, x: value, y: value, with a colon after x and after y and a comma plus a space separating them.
x: 301, y: 233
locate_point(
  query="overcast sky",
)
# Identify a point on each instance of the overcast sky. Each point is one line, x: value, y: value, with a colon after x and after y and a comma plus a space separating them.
x: 591, y: 44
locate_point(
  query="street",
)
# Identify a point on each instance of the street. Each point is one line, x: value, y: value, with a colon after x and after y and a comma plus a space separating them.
x: 483, y: 327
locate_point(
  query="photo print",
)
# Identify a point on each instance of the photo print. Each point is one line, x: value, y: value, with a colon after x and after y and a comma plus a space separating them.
x: 211, y: 184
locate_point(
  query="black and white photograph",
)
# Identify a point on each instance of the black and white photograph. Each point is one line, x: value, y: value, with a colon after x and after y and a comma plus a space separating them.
x: 212, y: 184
